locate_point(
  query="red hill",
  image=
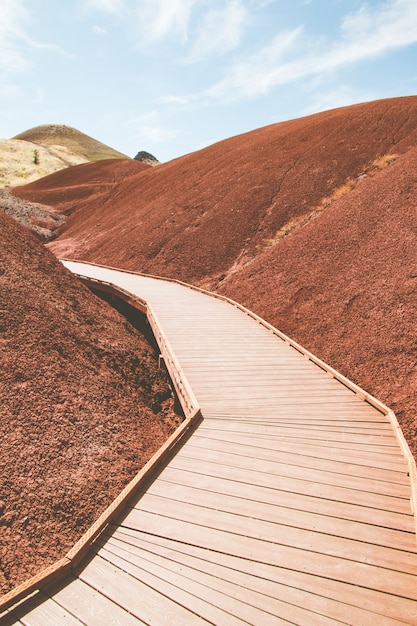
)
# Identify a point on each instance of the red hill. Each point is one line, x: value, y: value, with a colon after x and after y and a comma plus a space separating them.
x: 310, y: 222
x: 79, y: 391
x: 66, y: 188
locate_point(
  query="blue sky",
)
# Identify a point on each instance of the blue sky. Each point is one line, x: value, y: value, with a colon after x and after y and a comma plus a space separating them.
x: 173, y: 76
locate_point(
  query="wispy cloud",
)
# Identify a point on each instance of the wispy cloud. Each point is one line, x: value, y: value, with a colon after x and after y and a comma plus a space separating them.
x: 159, y: 19
x: 220, y: 30
x: 13, y: 20
x: 149, y: 128
x: 256, y: 74
x: 175, y: 100
x: 98, y: 30
x: 15, y: 42
x: 338, y: 96
x: 109, y: 6
x: 367, y: 33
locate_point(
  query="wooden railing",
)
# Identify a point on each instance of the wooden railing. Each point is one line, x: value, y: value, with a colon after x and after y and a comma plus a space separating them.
x: 58, y: 570
x: 192, y: 413
x: 361, y: 393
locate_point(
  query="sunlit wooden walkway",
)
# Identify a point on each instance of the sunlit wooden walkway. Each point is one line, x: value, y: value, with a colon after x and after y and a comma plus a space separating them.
x: 289, y: 502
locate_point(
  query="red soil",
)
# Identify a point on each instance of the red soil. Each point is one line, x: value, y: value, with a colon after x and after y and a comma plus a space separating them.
x: 345, y: 287
x: 308, y: 222
x: 66, y: 189
x: 83, y: 406
x: 195, y: 217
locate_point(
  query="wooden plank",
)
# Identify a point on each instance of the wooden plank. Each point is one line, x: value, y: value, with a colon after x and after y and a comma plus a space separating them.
x: 327, y: 411
x: 251, y: 607
x: 289, y: 558
x: 285, y: 499
x: 374, y: 461
x: 282, y: 515
x: 90, y: 606
x: 253, y: 450
x: 135, y: 596
x: 215, y: 607
x: 7, y: 619
x: 291, y: 581
x: 281, y: 470
x: 296, y: 485
x: 310, y: 540
x: 258, y: 428
x: 280, y: 599
x: 42, y: 611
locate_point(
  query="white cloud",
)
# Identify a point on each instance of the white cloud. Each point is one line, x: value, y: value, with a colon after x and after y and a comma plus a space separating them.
x: 98, y: 30
x: 324, y: 99
x: 220, y: 30
x: 178, y: 100
x: 261, y: 4
x: 109, y: 6
x: 149, y: 129
x: 164, y: 18
x: 363, y: 35
x: 369, y: 32
x: 39, y: 95
x: 256, y: 74
x: 13, y: 18
x: 15, y: 42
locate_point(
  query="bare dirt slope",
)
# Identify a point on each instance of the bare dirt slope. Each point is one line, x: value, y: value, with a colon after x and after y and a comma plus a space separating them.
x: 345, y: 287
x: 312, y: 223
x: 206, y: 214
x: 67, y: 190
x: 82, y: 405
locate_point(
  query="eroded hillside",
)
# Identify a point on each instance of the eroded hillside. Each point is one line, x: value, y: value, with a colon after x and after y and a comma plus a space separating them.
x: 311, y: 222
x: 82, y: 406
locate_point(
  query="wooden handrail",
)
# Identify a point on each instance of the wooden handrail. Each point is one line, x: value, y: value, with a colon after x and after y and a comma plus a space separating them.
x: 193, y: 414
x: 361, y: 393
x: 58, y: 570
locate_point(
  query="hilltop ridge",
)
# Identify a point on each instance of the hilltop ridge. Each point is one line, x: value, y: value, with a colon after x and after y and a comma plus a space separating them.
x: 72, y: 139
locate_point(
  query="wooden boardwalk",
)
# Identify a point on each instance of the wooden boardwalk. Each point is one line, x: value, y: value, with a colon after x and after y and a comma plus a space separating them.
x: 289, y: 503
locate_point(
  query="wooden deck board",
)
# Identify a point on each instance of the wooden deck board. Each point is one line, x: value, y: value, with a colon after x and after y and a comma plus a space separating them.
x: 392, y: 472
x: 256, y: 549
x: 292, y: 582
x: 276, y: 534
x: 44, y: 613
x: 277, y: 472
x: 255, y: 608
x: 317, y: 609
x: 295, y: 485
x: 90, y: 606
x: 139, y: 598
x: 267, y: 456
x: 269, y: 494
x: 290, y: 503
x: 281, y: 515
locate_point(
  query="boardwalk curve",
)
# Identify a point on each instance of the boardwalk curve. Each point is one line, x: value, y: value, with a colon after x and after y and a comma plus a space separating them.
x: 290, y: 501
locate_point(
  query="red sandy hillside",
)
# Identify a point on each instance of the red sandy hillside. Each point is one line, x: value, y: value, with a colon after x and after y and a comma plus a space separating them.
x: 345, y: 287
x: 82, y: 406
x: 196, y: 216
x: 310, y: 222
x: 66, y: 188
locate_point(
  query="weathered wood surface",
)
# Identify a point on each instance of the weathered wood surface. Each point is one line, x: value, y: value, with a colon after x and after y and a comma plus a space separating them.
x: 290, y: 503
